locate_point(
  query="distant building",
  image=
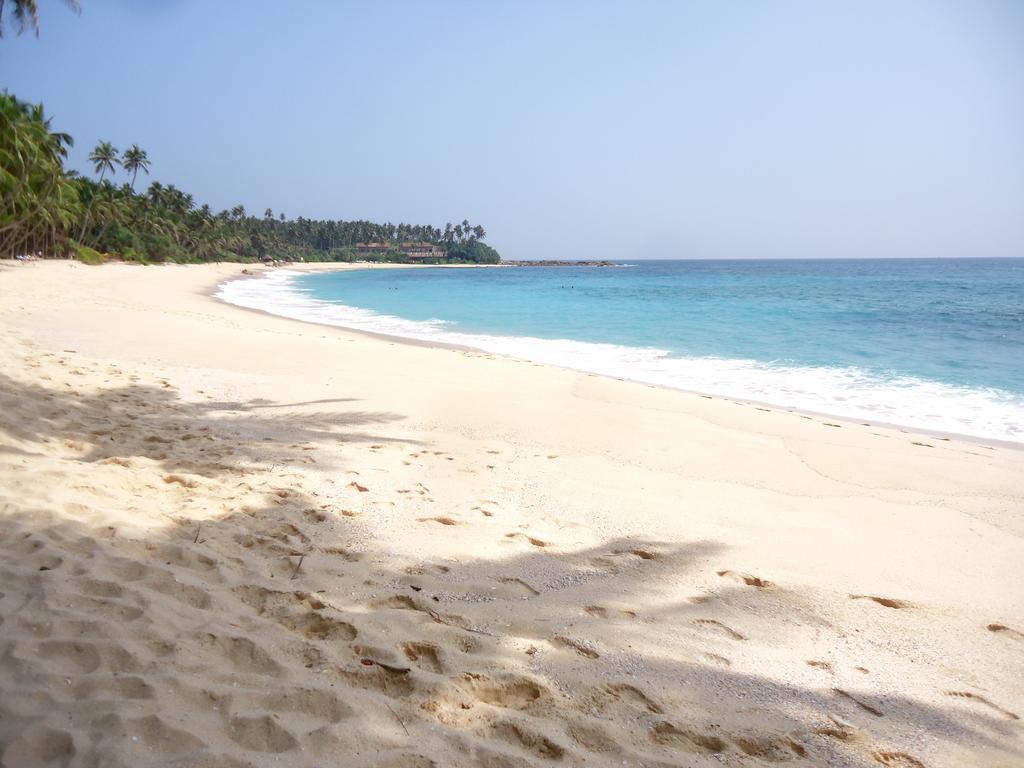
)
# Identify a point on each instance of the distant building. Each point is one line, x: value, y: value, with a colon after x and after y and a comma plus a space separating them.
x: 407, y: 250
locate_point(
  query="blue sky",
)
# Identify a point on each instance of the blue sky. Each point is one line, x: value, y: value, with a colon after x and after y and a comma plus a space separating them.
x: 716, y: 129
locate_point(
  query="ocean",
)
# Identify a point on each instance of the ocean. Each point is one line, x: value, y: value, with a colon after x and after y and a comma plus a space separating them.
x: 935, y: 344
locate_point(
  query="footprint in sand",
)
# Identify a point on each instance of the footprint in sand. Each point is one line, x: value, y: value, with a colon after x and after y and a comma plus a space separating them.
x: 261, y: 734
x: 840, y: 730
x: 151, y: 731
x: 100, y: 588
x: 114, y: 610
x: 888, y: 602
x: 600, y: 612
x: 746, y: 578
x: 850, y: 697
x: 643, y: 554
x: 426, y: 656
x: 669, y: 735
x: 317, y: 703
x: 419, y: 570
x: 442, y: 520
x: 243, y: 654
x: 526, y: 588
x: 509, y: 691
x: 400, y: 602
x: 967, y: 695
x: 593, y: 738
x: 131, y: 688
x: 633, y: 695
x: 316, y: 626
x: 372, y: 675
x: 897, y: 760
x: 187, y: 594
x: 49, y: 562
x: 579, y: 646
x: 1005, y: 630
x: 66, y: 656
x: 172, y: 554
x: 534, y: 541
x: 718, y: 659
x: 345, y: 554
x: 519, y: 735
x: 714, y: 624
x: 769, y: 749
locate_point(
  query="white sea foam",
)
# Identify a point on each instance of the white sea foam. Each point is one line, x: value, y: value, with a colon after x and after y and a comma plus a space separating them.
x: 848, y: 392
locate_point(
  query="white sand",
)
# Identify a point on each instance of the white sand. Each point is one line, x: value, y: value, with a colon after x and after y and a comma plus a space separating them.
x: 230, y: 539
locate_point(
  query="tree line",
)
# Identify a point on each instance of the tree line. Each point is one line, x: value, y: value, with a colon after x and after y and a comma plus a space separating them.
x: 46, y: 209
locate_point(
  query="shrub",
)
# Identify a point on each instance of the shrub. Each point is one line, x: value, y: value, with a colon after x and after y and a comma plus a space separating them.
x: 87, y: 255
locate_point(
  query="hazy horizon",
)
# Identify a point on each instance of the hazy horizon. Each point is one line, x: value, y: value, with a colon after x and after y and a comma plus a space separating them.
x: 576, y: 130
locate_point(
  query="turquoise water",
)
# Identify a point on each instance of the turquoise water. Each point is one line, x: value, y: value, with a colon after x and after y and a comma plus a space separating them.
x: 937, y: 344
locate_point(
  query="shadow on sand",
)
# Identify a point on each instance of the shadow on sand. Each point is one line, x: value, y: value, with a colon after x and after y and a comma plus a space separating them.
x: 279, y: 633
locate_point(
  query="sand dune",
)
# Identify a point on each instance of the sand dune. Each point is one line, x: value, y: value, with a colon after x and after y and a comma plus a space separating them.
x: 228, y: 539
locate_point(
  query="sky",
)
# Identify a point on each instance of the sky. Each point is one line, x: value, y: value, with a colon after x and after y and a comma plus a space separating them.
x: 596, y: 130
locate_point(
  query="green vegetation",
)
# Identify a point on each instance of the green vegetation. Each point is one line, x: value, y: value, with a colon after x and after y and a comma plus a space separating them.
x: 38, y: 203
x: 47, y: 210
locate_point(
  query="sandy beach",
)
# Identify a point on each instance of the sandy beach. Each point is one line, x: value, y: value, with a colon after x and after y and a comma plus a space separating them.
x: 232, y: 539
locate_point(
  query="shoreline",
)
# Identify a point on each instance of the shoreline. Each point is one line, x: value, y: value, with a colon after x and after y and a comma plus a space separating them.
x: 233, y: 538
x: 774, y: 407
x: 212, y: 290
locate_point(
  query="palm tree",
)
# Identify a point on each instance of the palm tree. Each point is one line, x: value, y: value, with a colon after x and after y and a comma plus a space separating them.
x: 104, y: 158
x: 26, y: 14
x: 37, y: 201
x: 135, y: 160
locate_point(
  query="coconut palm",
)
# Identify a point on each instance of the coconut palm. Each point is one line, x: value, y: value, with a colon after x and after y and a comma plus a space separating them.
x: 37, y: 202
x: 26, y: 14
x: 47, y: 209
x: 135, y: 160
x: 104, y: 158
